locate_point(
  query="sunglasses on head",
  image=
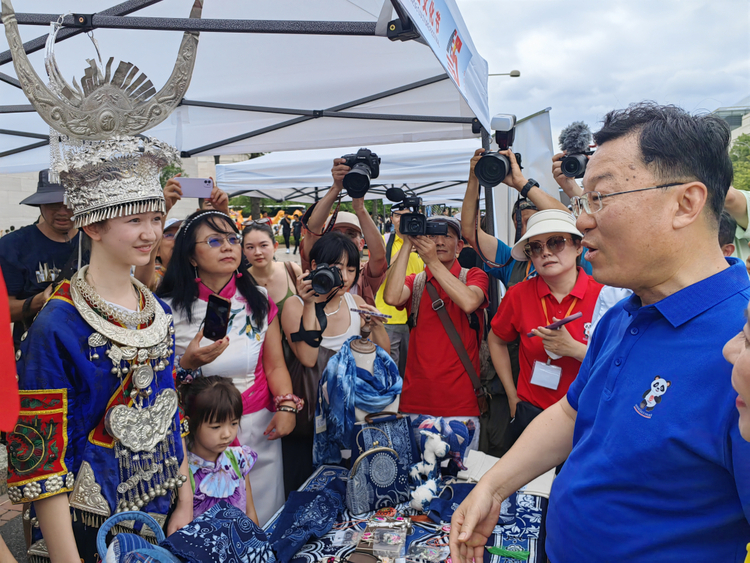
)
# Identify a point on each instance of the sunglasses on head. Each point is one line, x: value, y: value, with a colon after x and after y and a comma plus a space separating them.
x: 556, y: 244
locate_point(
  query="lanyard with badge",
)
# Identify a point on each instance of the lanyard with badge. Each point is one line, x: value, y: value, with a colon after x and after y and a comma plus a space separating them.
x: 545, y: 374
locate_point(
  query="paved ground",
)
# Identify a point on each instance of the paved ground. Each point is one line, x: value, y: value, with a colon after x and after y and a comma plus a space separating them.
x: 11, y: 528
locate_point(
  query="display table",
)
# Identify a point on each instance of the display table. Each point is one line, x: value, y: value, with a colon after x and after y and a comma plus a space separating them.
x: 523, y: 534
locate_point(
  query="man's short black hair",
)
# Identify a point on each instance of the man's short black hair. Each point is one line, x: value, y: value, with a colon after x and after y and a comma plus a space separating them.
x: 727, y: 228
x: 677, y: 146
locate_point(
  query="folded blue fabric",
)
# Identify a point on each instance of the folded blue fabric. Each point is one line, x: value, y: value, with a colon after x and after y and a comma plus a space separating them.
x: 443, y: 507
x: 307, y: 515
x: 222, y: 533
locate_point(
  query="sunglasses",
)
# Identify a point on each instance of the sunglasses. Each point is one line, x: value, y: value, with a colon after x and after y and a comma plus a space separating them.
x: 217, y: 241
x: 555, y: 245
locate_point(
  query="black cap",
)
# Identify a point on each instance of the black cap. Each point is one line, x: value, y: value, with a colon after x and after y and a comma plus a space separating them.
x: 45, y: 192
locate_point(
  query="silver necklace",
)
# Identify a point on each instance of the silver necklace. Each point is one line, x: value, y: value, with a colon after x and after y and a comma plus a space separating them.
x: 338, y: 309
x: 128, y: 319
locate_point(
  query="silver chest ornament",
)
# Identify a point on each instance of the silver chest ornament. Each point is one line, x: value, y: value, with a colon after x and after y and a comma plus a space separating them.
x: 144, y: 429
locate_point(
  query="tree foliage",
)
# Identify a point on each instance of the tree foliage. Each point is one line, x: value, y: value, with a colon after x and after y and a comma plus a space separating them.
x: 740, y: 155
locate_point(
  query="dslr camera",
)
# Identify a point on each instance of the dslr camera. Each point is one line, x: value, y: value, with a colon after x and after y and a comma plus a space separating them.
x: 365, y: 165
x: 575, y: 140
x: 574, y: 165
x: 493, y: 167
x: 415, y: 223
x: 325, y: 278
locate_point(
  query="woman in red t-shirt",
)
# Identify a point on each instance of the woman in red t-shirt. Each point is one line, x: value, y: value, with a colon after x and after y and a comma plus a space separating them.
x: 549, y: 359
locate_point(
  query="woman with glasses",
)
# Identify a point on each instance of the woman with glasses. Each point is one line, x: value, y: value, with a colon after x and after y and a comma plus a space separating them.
x: 549, y: 359
x: 207, y: 260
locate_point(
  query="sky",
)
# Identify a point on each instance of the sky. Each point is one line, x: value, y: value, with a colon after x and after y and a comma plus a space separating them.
x: 586, y: 58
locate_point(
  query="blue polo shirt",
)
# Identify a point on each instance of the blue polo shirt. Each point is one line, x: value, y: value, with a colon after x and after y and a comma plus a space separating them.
x: 658, y: 470
x: 502, y: 255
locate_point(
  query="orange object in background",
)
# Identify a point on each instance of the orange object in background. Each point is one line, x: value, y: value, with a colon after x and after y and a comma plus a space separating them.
x: 9, y: 402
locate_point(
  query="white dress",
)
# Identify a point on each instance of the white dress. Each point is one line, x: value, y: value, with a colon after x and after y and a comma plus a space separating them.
x: 242, y: 361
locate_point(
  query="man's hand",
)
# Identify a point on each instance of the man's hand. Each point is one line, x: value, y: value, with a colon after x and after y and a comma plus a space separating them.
x: 41, y: 298
x: 472, y: 524
x: 219, y: 199
x: 338, y: 172
x: 473, y: 162
x: 198, y: 356
x: 172, y: 192
x: 568, y: 185
x: 514, y: 179
x: 426, y: 248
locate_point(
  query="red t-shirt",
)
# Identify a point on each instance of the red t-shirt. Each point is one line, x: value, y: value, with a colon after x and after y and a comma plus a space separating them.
x: 521, y: 310
x: 435, y: 382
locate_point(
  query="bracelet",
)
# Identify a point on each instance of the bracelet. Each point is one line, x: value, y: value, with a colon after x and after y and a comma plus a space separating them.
x: 183, y: 375
x: 298, y: 403
x: 286, y: 408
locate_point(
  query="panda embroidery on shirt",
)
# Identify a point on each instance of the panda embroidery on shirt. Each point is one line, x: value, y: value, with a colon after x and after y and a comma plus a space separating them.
x: 652, y: 397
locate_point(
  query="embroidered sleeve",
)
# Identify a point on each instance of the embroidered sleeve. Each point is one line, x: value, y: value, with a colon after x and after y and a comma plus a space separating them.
x: 41, y: 446
x: 247, y: 460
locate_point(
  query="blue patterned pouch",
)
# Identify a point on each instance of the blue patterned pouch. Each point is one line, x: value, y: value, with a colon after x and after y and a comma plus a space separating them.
x: 381, y: 456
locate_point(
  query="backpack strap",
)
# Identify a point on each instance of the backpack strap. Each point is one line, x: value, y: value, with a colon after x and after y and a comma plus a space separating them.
x: 389, y: 247
x: 416, y: 298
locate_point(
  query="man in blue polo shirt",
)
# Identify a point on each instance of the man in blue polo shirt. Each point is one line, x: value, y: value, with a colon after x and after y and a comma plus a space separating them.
x: 656, y: 468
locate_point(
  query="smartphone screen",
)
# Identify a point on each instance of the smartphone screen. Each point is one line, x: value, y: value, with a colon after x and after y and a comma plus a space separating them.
x: 217, y: 318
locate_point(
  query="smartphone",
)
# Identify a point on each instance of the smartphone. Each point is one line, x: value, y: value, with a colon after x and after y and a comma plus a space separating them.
x: 196, y: 187
x: 371, y: 313
x: 558, y: 324
x: 217, y: 318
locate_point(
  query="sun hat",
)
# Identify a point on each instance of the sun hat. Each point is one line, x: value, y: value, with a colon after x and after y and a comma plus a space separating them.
x: 541, y: 223
x: 171, y: 223
x: 46, y: 191
x: 450, y: 221
x: 345, y: 218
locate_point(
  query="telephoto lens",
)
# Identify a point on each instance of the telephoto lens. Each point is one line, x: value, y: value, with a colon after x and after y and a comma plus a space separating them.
x: 357, y: 180
x: 574, y: 165
x: 493, y: 167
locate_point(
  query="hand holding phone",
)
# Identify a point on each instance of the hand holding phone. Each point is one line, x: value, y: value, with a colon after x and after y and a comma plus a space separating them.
x: 196, y: 187
x: 558, y: 324
x: 371, y: 313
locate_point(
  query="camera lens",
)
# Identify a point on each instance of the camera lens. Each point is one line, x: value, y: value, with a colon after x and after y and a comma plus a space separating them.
x: 574, y: 165
x: 491, y: 169
x: 357, y: 180
x: 323, y: 281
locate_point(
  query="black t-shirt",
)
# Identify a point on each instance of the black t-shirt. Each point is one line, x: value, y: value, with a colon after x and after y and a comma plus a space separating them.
x: 30, y: 261
x: 285, y: 226
x: 297, y: 228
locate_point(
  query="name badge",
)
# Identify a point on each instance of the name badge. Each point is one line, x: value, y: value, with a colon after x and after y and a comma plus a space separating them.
x: 546, y: 375
x: 320, y: 424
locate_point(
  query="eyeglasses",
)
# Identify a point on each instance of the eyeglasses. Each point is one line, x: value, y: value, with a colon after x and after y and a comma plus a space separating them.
x: 591, y: 202
x: 555, y: 244
x: 169, y: 236
x: 217, y: 241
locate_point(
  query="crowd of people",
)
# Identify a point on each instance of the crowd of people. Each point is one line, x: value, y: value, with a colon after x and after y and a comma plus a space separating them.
x: 630, y: 397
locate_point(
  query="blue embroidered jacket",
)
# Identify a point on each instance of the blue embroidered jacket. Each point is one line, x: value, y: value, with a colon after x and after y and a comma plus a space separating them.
x: 65, y: 394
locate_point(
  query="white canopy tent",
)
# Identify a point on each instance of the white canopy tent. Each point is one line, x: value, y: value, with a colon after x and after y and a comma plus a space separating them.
x: 269, y: 76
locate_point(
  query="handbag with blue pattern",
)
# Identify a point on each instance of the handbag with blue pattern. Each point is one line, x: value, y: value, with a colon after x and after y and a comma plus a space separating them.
x: 383, y: 450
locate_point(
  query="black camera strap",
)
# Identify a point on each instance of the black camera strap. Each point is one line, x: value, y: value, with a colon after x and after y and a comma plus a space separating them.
x: 314, y: 338
x: 331, y: 223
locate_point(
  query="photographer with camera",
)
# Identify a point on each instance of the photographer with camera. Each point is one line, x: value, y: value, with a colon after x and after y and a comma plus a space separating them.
x: 443, y: 361
x: 317, y: 322
x: 358, y: 226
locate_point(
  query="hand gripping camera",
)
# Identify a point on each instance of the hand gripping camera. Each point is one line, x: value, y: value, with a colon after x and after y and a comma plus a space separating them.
x: 365, y: 165
x: 575, y: 140
x: 325, y: 278
x: 493, y: 167
x: 414, y: 224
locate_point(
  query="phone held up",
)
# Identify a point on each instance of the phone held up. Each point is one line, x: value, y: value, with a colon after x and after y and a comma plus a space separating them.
x: 217, y: 318
x: 196, y: 187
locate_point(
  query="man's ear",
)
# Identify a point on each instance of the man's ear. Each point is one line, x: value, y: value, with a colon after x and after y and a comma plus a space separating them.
x: 459, y: 246
x: 691, y: 201
x: 728, y: 249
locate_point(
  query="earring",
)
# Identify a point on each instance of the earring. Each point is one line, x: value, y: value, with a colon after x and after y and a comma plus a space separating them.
x: 239, y: 274
x: 197, y: 279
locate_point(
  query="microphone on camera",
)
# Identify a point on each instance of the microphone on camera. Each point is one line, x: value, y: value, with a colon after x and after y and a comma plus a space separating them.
x: 575, y: 138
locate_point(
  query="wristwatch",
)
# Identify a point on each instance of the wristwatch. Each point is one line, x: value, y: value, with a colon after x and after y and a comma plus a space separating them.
x: 530, y: 184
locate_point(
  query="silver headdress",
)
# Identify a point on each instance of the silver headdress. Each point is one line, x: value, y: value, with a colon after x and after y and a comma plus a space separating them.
x: 106, y: 171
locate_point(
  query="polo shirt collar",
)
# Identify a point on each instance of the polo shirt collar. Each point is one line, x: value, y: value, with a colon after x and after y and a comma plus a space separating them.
x: 455, y: 270
x: 578, y: 291
x: 698, y: 298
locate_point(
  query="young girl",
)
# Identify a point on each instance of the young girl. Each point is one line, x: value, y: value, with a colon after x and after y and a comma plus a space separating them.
x: 218, y: 471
